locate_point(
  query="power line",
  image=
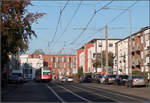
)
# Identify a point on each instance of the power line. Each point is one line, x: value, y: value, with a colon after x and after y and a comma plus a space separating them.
x: 112, y: 20
x: 90, y: 21
x: 61, y: 11
x: 122, y: 13
x: 116, y: 17
x: 66, y: 28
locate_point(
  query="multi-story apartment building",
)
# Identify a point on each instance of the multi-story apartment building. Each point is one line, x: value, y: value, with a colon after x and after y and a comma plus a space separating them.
x: 61, y: 65
x: 133, y: 52
x: 87, y: 53
x: 121, y: 57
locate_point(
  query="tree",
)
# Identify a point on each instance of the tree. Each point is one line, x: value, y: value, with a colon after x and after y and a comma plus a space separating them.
x: 97, y: 62
x: 38, y: 51
x: 16, y: 30
x: 80, y: 71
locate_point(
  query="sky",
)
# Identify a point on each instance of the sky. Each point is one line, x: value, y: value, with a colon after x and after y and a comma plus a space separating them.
x: 47, y: 25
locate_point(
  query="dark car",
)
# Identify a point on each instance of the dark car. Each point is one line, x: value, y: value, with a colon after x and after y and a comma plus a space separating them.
x: 13, y: 79
x: 87, y: 78
x: 135, y: 80
x: 109, y: 79
x: 121, y: 79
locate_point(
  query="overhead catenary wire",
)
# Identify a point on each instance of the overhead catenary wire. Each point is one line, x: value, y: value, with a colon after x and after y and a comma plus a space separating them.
x: 77, y: 38
x: 116, y: 17
x: 112, y: 20
x: 66, y: 28
x: 61, y: 11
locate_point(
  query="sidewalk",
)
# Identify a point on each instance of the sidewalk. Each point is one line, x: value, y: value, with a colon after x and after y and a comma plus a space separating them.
x: 143, y: 92
x: 5, y: 90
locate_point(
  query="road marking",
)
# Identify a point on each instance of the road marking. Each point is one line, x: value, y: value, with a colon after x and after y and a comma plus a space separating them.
x: 76, y: 94
x: 56, y: 94
x: 100, y: 89
x: 97, y: 94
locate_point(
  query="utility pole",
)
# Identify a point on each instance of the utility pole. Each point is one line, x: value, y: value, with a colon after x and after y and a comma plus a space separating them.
x: 101, y: 57
x: 96, y: 56
x: 106, y: 49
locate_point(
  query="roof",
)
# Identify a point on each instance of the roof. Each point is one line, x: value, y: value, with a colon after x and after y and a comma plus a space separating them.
x: 93, y: 40
x: 143, y: 29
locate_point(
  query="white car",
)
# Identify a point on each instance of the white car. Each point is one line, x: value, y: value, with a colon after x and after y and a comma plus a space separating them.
x: 63, y: 79
x: 69, y: 79
x: 102, y: 79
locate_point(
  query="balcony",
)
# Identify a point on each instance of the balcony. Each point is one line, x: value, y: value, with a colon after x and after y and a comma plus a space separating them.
x: 132, y: 53
x: 138, y: 52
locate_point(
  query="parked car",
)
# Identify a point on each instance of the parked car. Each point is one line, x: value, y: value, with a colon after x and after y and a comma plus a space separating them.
x: 135, y: 80
x: 121, y: 79
x: 98, y: 78
x: 13, y: 79
x: 81, y: 79
x: 63, y: 79
x: 109, y: 79
x: 102, y: 80
x: 87, y: 78
x: 69, y: 79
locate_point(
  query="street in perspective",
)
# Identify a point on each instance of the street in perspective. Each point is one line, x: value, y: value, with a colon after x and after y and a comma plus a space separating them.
x: 75, y: 51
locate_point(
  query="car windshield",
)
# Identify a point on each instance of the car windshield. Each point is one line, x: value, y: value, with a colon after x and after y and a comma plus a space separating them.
x: 124, y: 76
x: 138, y: 76
x: 112, y: 76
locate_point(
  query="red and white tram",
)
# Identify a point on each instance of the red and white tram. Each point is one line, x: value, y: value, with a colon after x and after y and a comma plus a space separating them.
x: 43, y: 74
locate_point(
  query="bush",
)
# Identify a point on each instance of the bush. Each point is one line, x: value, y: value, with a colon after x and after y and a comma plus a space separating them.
x: 137, y: 72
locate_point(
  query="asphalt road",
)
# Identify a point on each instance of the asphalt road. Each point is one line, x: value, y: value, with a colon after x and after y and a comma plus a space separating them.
x: 67, y: 92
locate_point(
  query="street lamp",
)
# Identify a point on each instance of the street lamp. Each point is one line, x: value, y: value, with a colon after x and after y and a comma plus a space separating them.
x: 130, y: 22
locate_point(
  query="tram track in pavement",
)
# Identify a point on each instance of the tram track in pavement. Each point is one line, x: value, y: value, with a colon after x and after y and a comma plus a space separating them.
x: 64, y: 95
x: 113, y: 95
x: 91, y: 97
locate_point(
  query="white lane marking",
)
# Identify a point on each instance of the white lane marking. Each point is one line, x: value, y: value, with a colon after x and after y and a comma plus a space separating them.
x: 56, y: 94
x: 76, y: 94
x: 98, y: 94
x: 100, y: 89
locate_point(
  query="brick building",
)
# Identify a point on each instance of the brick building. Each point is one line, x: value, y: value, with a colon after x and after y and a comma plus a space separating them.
x: 61, y: 65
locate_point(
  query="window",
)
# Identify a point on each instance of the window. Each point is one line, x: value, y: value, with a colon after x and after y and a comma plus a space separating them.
x: 56, y: 59
x: 62, y: 59
x: 74, y: 60
x: 100, y: 45
x: 69, y: 59
x: 64, y: 65
x: 94, y: 55
x: 59, y: 59
x: 65, y: 59
x: 53, y: 59
x: 110, y: 45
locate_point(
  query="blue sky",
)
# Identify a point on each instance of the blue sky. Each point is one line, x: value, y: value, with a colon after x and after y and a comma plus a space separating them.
x: 118, y: 29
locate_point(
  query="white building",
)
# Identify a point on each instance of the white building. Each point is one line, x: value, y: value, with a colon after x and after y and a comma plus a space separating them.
x: 89, y: 51
x: 134, y: 55
x: 29, y: 65
x: 121, y: 58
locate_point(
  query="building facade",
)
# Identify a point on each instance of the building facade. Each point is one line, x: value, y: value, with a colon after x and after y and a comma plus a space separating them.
x: 61, y: 65
x: 88, y: 53
x: 133, y: 53
x: 30, y: 64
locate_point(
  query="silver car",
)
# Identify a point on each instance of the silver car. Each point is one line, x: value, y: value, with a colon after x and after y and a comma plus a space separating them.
x: 136, y: 80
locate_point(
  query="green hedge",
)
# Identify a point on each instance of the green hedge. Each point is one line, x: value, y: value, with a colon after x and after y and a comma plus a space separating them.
x: 145, y: 74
